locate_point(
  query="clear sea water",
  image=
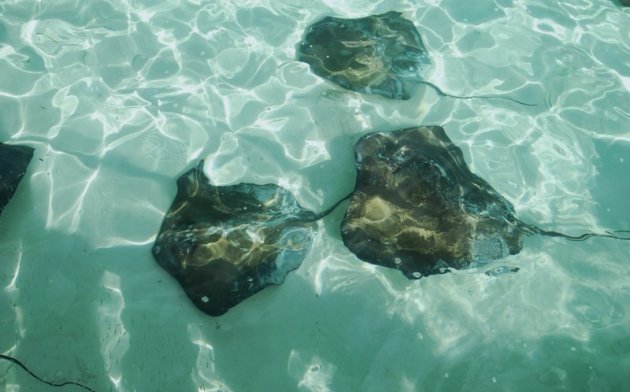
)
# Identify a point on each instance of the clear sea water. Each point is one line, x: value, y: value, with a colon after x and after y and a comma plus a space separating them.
x: 120, y: 97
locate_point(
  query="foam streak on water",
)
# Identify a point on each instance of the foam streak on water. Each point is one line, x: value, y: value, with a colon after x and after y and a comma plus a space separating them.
x: 120, y: 97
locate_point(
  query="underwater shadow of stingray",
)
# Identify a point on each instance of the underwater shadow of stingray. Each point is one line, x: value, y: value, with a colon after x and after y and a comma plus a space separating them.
x: 226, y: 243
x: 379, y: 54
x: 418, y: 208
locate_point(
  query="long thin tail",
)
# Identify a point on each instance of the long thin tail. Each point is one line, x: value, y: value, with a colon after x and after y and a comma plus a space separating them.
x: 20, y: 364
x: 531, y: 230
x: 442, y: 93
x: 332, y: 208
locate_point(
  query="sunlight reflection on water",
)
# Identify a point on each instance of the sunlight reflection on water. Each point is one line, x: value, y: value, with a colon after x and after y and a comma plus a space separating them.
x: 120, y: 98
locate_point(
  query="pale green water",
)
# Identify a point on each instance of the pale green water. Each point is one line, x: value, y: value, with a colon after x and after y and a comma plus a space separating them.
x: 121, y: 97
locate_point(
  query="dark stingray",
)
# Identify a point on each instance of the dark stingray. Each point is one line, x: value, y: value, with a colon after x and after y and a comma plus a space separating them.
x: 226, y: 243
x: 13, y: 162
x: 379, y: 54
x: 418, y: 208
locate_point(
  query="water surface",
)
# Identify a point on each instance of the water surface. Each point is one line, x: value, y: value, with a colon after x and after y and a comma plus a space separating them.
x: 121, y: 97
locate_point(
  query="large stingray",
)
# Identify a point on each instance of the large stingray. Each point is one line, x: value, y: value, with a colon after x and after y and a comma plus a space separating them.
x: 418, y: 208
x: 379, y: 54
x: 13, y: 162
x: 226, y: 243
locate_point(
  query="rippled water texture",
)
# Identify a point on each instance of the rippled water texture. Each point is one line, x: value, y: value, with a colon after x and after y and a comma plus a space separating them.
x: 119, y: 98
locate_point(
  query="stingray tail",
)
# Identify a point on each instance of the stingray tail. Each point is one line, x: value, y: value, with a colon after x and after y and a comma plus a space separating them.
x: 441, y: 92
x: 20, y: 364
x: 331, y: 208
x: 616, y: 234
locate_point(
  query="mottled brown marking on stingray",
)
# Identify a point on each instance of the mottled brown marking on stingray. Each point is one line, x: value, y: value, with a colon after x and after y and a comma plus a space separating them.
x: 226, y: 243
x: 380, y: 54
x: 418, y: 208
x: 13, y: 162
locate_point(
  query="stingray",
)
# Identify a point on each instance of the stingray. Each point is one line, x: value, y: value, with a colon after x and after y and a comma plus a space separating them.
x: 418, y: 208
x: 13, y: 162
x: 379, y: 54
x: 226, y: 243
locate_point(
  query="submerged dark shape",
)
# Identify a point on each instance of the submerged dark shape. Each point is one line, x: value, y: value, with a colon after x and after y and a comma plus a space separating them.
x: 226, y: 243
x: 625, y: 3
x: 418, y: 208
x: 380, y: 54
x: 13, y: 162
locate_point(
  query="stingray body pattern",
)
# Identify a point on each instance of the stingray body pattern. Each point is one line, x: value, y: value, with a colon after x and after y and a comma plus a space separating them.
x: 226, y: 243
x: 418, y: 208
x: 13, y: 163
x: 380, y: 54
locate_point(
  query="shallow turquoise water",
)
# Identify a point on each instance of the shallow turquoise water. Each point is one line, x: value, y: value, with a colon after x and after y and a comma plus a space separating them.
x: 121, y: 97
